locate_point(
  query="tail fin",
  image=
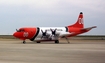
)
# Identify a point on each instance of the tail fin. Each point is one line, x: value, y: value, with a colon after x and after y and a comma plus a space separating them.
x: 79, y: 23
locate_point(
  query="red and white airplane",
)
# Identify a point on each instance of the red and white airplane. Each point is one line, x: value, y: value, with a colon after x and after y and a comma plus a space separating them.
x: 39, y: 34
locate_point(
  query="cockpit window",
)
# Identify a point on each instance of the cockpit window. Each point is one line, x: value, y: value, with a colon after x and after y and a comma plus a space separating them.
x: 20, y: 30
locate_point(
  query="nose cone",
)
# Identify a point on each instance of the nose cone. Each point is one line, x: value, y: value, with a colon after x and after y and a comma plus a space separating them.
x: 18, y: 35
x: 15, y: 34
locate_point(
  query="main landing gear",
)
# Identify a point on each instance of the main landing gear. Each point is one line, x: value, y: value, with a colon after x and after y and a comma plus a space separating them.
x: 38, y: 42
x: 56, y: 41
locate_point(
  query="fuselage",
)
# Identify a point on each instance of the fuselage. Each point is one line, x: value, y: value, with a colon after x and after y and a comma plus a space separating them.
x: 36, y: 33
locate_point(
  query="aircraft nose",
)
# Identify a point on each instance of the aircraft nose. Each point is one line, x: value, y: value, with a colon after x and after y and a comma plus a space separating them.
x: 17, y: 35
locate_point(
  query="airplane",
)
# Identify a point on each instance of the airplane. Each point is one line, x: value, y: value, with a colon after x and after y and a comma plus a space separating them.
x: 41, y: 34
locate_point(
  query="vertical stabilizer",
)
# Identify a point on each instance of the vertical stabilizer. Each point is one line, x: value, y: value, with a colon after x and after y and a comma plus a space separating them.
x: 79, y: 23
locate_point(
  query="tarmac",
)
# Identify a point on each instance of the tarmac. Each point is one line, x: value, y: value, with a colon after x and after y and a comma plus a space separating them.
x: 78, y: 51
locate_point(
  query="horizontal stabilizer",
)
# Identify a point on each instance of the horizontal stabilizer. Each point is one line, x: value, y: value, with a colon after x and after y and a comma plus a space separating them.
x: 89, y: 28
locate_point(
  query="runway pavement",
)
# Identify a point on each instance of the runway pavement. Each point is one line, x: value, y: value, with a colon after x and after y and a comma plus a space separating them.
x: 78, y: 51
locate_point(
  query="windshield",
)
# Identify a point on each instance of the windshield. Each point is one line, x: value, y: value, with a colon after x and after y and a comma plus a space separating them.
x: 20, y: 30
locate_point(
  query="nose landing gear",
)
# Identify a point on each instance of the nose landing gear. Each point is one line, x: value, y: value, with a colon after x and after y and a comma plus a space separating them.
x: 24, y: 41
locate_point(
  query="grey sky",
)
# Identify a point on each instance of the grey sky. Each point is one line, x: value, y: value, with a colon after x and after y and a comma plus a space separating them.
x: 33, y: 13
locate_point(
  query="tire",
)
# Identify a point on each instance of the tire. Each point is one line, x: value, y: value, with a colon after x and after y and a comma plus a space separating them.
x: 56, y: 41
x: 38, y: 42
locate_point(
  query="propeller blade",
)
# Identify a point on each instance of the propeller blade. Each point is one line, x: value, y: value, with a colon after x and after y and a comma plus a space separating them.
x: 53, y: 31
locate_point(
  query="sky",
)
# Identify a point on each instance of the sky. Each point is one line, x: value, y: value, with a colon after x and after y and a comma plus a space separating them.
x: 52, y: 13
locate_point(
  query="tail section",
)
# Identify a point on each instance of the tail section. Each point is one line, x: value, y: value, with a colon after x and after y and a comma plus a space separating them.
x: 79, y: 23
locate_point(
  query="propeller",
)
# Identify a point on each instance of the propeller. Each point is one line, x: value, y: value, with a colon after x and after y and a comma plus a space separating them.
x: 44, y: 34
x: 53, y: 31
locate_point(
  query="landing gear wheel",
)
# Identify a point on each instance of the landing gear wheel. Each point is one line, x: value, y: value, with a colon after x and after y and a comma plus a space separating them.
x: 38, y: 42
x: 56, y: 41
x: 24, y: 42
